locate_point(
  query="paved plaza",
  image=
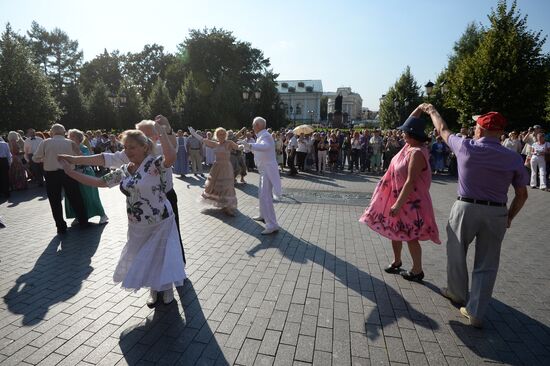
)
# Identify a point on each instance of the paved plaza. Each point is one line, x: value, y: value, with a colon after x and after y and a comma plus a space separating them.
x: 315, y: 293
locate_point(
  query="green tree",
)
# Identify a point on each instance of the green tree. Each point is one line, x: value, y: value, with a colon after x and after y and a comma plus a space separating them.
x: 40, y: 45
x: 144, y: 68
x: 400, y: 100
x: 57, y: 55
x: 100, y: 110
x: 106, y: 68
x: 175, y: 73
x: 74, y: 109
x: 134, y: 110
x: 506, y: 72
x: 159, y: 100
x: 190, y: 103
x: 25, y: 94
x: 222, y: 68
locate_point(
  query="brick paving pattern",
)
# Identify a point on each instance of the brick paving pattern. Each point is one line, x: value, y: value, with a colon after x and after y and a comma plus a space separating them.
x: 315, y: 293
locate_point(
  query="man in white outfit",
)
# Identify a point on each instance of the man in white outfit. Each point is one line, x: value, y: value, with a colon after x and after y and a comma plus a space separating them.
x: 270, y: 181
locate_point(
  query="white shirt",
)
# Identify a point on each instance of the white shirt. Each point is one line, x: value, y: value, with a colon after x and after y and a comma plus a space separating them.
x: 31, y: 145
x: 302, y: 146
x: 5, y: 151
x: 538, y: 149
x: 292, y: 143
x: 49, y: 149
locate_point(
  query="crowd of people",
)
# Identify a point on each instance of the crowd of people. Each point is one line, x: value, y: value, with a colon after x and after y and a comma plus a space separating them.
x: 142, y: 162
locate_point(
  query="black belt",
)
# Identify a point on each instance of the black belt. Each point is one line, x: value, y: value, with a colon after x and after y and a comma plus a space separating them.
x: 195, y: 148
x: 481, y: 202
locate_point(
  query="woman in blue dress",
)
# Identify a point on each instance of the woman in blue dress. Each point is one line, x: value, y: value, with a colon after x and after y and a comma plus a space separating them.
x: 181, y: 166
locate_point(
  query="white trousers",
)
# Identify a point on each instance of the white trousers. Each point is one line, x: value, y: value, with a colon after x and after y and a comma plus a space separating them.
x: 322, y: 159
x: 540, y: 163
x: 267, y: 211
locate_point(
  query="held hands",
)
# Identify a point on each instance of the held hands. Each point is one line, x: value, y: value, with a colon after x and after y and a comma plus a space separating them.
x: 163, y: 122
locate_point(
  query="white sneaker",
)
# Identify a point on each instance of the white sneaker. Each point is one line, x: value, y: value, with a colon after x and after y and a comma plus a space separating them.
x: 75, y: 222
x: 270, y: 231
x: 104, y: 219
x: 168, y: 296
x: 152, y: 299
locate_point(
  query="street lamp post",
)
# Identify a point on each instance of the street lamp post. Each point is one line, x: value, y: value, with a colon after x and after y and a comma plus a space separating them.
x: 311, y: 113
x: 257, y: 95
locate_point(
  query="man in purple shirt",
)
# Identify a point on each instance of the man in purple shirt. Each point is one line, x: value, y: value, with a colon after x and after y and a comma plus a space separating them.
x: 486, y: 169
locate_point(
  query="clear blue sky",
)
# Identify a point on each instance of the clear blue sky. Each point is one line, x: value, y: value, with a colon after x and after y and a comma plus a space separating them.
x: 364, y: 44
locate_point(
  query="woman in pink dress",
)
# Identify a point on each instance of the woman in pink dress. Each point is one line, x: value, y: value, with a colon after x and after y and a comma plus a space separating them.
x: 401, y: 208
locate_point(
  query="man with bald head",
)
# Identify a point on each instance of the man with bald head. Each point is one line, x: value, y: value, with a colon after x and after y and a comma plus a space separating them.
x: 270, y: 181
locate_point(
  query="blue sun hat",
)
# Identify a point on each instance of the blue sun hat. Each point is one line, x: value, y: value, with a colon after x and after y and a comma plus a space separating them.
x: 415, y: 127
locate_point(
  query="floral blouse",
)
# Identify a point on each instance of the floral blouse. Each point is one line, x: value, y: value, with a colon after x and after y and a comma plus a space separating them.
x: 145, y: 190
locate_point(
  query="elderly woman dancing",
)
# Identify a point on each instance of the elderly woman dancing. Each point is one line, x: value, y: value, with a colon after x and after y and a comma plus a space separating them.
x: 152, y: 256
x: 219, y: 189
x: 401, y: 207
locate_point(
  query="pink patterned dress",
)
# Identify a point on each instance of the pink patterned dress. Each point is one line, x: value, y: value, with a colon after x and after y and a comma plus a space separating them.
x: 415, y: 220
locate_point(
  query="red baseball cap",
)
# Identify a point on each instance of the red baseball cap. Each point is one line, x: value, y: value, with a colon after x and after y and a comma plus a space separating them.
x: 492, y: 121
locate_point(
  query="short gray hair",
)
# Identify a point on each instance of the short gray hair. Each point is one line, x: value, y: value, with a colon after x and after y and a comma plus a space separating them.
x: 260, y: 122
x: 57, y: 129
x: 79, y: 134
x: 145, y: 122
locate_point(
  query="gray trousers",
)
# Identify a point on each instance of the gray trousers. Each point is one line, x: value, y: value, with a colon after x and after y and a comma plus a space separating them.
x: 196, y: 160
x: 487, y: 225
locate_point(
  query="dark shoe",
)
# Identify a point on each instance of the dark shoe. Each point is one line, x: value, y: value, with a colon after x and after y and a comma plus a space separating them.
x: 258, y: 218
x: 393, y: 268
x: 409, y: 276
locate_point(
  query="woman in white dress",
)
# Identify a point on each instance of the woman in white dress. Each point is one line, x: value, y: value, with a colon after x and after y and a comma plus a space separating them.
x: 152, y: 256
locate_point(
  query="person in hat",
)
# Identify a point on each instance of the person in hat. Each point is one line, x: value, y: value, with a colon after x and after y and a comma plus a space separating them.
x: 486, y: 171
x: 401, y: 207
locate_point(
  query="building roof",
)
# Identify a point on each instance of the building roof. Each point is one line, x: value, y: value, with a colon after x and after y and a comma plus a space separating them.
x: 300, y: 86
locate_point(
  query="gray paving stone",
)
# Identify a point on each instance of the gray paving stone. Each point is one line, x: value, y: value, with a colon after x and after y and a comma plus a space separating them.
x: 270, y: 342
x: 314, y: 293
x: 248, y: 352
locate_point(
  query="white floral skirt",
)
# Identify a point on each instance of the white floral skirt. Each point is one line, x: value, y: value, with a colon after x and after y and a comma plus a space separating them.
x: 151, y: 258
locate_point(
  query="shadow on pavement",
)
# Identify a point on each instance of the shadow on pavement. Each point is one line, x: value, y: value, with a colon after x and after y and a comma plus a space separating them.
x: 17, y: 197
x: 509, y: 336
x: 56, y: 276
x: 170, y: 337
x: 384, y: 298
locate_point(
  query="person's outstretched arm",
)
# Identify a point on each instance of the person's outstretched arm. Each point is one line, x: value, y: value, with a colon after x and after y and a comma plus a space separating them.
x: 437, y: 120
x: 94, y: 160
x: 168, y: 150
x: 82, y: 178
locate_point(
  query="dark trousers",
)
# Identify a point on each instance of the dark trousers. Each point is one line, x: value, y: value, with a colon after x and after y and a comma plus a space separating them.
x: 301, y: 157
x: 355, y: 159
x: 290, y: 162
x: 56, y: 182
x: 250, y: 161
x: 173, y: 199
x: 36, y: 170
x: 4, y: 177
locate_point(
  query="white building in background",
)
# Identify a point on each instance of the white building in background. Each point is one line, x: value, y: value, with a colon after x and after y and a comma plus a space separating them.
x: 352, y: 103
x: 301, y: 99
